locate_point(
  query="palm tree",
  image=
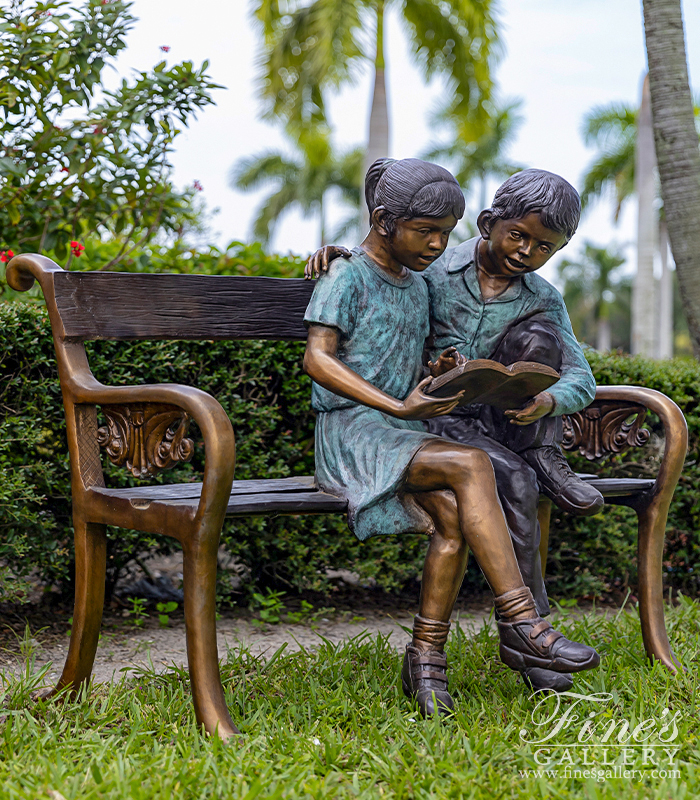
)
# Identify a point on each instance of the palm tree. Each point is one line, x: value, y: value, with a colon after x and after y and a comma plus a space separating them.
x: 615, y: 131
x: 314, y: 45
x: 302, y: 180
x: 477, y: 146
x: 594, y: 292
x: 676, y: 148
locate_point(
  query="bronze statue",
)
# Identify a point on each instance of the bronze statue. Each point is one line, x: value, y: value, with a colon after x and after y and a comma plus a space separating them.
x: 368, y: 319
x: 486, y: 302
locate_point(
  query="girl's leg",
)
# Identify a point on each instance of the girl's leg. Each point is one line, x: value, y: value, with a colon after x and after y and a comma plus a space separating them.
x: 446, y: 559
x: 526, y: 639
x: 468, y: 474
x: 424, y: 671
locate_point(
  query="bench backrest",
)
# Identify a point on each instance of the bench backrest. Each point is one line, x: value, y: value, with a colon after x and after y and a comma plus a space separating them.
x: 123, y: 306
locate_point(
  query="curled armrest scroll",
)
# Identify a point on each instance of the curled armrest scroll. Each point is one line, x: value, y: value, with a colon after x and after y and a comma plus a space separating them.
x: 605, y: 427
x: 146, y: 437
x: 675, y: 432
x: 24, y: 269
x: 174, y: 402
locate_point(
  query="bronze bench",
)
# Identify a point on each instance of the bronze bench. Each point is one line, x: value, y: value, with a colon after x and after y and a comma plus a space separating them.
x: 146, y: 431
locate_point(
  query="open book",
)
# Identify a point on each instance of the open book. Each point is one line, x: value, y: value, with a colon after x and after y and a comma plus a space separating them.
x: 494, y: 384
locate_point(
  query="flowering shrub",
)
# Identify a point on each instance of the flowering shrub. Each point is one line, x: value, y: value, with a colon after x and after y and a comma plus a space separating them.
x: 79, y: 160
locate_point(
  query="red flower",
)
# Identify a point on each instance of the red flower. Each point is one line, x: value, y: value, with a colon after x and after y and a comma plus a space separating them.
x: 6, y: 255
x: 165, y: 48
x: 76, y: 249
x: 65, y: 169
x: 198, y: 186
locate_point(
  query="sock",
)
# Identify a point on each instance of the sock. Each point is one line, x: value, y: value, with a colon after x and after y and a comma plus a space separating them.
x: 429, y: 634
x: 516, y: 605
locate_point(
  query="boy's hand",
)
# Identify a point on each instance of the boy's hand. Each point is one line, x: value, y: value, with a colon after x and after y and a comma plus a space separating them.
x: 542, y: 404
x: 447, y: 360
x: 318, y: 262
x: 420, y: 406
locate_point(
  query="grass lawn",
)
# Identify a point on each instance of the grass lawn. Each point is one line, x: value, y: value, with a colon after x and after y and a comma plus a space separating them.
x: 334, y: 723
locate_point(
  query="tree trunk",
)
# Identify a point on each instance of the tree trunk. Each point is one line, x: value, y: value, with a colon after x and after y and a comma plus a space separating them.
x: 603, y: 335
x: 643, y: 290
x: 677, y: 149
x: 322, y: 215
x: 665, y: 337
x: 378, y: 140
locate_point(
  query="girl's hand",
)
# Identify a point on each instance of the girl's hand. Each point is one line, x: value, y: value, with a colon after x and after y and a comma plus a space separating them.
x: 541, y: 405
x: 420, y: 406
x: 318, y: 262
x: 447, y: 360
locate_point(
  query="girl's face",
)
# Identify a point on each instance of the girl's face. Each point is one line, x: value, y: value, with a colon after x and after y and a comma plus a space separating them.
x: 417, y: 242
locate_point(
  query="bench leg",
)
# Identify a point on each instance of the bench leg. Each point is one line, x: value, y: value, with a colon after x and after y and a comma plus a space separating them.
x: 199, y: 574
x: 652, y: 530
x: 90, y: 564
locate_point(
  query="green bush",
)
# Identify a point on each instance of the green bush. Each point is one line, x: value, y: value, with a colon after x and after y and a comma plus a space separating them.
x: 262, y: 388
x: 265, y: 393
x: 593, y: 556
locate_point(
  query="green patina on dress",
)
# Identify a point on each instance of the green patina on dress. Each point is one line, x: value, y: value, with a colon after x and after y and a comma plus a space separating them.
x: 363, y: 454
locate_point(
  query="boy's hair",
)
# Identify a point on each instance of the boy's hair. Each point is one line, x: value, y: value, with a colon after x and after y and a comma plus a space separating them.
x: 544, y: 193
x: 411, y: 188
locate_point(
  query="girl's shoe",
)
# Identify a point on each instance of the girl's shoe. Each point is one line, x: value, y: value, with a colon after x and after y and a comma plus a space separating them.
x: 544, y: 680
x: 424, y: 680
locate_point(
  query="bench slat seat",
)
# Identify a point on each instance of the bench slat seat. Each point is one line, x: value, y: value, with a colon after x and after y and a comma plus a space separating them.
x: 248, y: 498
x: 299, y: 495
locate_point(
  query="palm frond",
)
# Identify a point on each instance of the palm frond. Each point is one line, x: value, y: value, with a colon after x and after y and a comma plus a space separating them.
x: 271, y: 209
x: 458, y: 39
x: 254, y: 171
x: 607, y: 126
x: 611, y: 171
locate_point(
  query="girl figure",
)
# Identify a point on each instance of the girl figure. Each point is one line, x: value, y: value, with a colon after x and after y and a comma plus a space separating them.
x: 368, y: 321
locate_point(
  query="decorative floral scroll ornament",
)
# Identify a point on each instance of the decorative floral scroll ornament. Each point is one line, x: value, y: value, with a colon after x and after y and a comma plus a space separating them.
x: 146, y: 437
x: 605, y: 427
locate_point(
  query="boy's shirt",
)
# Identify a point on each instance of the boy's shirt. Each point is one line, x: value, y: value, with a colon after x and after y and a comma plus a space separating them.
x: 461, y: 318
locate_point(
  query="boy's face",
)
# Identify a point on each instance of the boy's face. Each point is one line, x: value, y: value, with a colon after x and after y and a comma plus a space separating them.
x: 516, y: 246
x: 417, y: 242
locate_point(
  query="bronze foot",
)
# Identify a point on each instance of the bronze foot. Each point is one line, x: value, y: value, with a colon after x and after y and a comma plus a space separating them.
x: 424, y: 680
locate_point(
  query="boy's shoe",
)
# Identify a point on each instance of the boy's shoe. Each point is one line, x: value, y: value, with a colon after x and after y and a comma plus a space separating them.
x: 534, y: 643
x: 544, y: 680
x: 560, y: 483
x: 424, y: 680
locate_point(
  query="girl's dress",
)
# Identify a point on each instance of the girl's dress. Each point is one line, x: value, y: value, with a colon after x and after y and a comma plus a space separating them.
x: 362, y: 454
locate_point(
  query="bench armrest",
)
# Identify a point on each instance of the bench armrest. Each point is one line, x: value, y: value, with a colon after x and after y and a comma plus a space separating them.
x: 675, y: 435
x: 206, y: 411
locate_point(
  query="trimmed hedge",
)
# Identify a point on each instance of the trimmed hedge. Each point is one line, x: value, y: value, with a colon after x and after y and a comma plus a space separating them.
x: 592, y: 556
x: 263, y: 389
x: 265, y: 393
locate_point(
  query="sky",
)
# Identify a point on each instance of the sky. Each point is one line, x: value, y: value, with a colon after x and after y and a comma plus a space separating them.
x: 561, y: 59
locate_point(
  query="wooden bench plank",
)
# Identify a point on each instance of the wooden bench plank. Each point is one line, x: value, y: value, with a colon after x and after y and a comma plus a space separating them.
x: 184, y: 491
x: 297, y: 495
x: 126, y: 306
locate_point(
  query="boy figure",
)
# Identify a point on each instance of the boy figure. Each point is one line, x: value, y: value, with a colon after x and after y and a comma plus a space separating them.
x: 487, y: 302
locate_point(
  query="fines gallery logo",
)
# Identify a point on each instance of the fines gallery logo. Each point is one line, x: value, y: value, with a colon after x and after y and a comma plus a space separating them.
x: 580, y: 736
